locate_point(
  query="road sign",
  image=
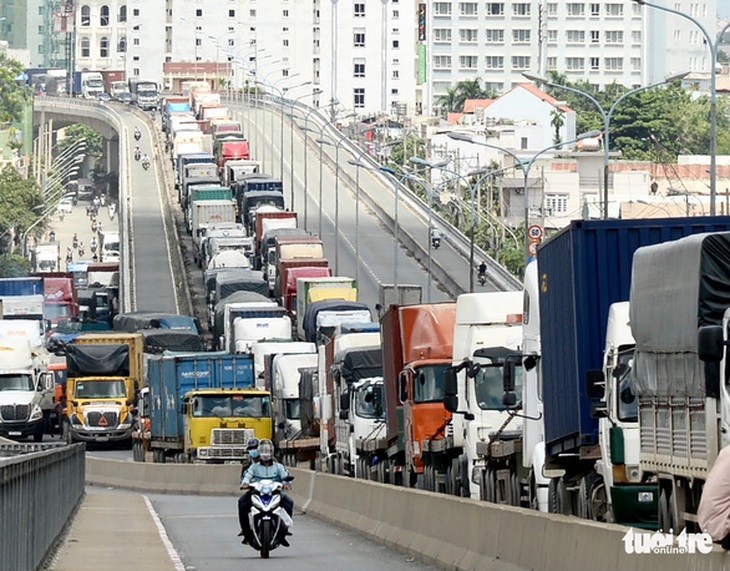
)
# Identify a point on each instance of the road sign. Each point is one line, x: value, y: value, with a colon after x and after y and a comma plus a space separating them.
x: 535, y: 232
x: 532, y: 248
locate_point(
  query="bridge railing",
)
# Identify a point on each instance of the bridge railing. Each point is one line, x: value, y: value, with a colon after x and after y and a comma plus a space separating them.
x: 40, y: 487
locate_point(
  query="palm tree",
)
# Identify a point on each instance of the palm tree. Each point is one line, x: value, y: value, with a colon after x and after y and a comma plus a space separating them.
x: 449, y: 102
x: 556, y: 122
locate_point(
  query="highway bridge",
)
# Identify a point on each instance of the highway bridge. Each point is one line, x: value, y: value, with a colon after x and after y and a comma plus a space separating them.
x: 444, y: 531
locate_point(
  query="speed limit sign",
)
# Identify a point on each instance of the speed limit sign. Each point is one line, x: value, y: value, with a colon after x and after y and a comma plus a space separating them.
x: 535, y: 232
x: 532, y: 248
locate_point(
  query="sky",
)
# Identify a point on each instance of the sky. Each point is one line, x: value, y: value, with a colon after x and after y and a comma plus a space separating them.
x: 723, y: 8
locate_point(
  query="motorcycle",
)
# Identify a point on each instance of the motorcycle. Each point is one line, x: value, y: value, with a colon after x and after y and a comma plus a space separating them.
x: 93, y: 245
x: 112, y: 211
x: 75, y: 242
x: 94, y: 226
x: 82, y: 250
x: 267, y: 518
x: 137, y: 134
x: 146, y: 164
x: 137, y: 155
x: 482, y: 279
x: 69, y: 257
x: 436, y: 242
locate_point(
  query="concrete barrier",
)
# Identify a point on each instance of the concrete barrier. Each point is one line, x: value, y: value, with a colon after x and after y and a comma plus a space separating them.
x: 450, y: 532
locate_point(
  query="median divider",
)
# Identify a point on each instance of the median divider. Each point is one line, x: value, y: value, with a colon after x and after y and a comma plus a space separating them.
x: 450, y: 532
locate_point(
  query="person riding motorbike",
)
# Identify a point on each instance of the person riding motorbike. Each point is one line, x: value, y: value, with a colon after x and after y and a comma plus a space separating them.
x: 137, y: 134
x: 252, y: 447
x: 93, y: 244
x: 51, y: 236
x: 265, y: 469
x: 137, y: 153
x: 145, y: 162
x: 435, y: 237
x: 69, y: 255
x: 82, y: 249
x: 482, y: 272
x: 75, y: 240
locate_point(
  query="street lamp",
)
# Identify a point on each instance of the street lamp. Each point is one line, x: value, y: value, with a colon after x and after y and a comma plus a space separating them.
x: 713, y: 45
x: 605, y: 115
x: 292, y: 102
x: 524, y: 165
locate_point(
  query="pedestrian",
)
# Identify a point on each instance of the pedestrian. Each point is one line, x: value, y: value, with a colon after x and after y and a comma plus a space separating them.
x: 713, y: 515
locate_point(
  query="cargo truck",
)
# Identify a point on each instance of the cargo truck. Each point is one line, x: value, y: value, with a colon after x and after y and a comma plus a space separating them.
x: 417, y: 344
x: 245, y: 317
x: 582, y: 270
x: 312, y: 289
x: 201, y: 407
x: 88, y: 84
x: 204, y: 213
x: 144, y: 93
x: 235, y: 169
x: 291, y: 275
x: 268, y: 219
x: 24, y: 384
x: 291, y: 248
x: 487, y: 339
x: 60, y: 300
x: 46, y: 257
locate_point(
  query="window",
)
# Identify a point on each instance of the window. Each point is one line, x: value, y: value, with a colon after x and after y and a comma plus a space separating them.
x: 285, y: 73
x: 85, y: 47
x: 495, y: 9
x: 104, y: 47
x: 468, y: 36
x: 252, y: 13
x: 231, y: 30
x: 552, y: 9
x: 556, y: 203
x: 636, y: 10
x: 396, y: 74
x: 575, y: 37
x: 122, y: 14
x: 614, y: 64
x: 468, y: 62
x: 468, y: 8
x: 523, y: 143
x: 135, y: 72
x: 614, y: 37
x: 394, y: 91
x: 122, y: 46
x: 595, y: 64
x: 520, y: 9
x: 595, y: 9
x: 359, y: 69
x: 104, y: 16
x: 395, y: 31
x: 442, y: 62
x: 135, y: 12
x: 359, y: 39
x: 285, y: 13
x: 359, y: 10
x: 396, y: 44
x: 495, y: 36
x: 40, y: 11
x: 359, y: 97
x: 442, y: 9
x: 495, y: 62
x: 493, y: 86
x: 574, y: 63
x: 614, y: 10
x: 635, y: 64
x: 285, y: 42
x: 595, y: 36
x: 41, y: 29
x: 231, y: 13
x: 552, y: 63
x: 521, y: 36
x: 198, y: 42
x: 552, y: 36
x: 442, y: 36
x: 85, y: 16
x: 231, y: 43
x: 636, y: 37
x: 520, y: 62
x: 199, y: 13
x: 575, y: 9
x: 396, y: 14
x: 135, y: 41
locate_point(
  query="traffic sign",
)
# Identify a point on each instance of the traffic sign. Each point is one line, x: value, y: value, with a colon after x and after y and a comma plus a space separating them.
x: 532, y: 248
x: 535, y: 232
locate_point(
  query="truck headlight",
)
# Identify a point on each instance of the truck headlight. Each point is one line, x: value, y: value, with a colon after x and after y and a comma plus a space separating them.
x: 75, y: 419
x: 36, y: 413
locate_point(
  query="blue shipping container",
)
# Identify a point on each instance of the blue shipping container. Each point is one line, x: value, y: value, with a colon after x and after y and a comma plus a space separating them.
x: 21, y: 286
x: 583, y: 270
x: 170, y: 377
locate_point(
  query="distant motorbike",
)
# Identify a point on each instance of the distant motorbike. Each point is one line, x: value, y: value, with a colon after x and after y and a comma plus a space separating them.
x: 436, y: 242
x: 146, y: 164
x: 482, y: 279
x: 267, y: 517
x: 137, y: 154
x: 137, y: 134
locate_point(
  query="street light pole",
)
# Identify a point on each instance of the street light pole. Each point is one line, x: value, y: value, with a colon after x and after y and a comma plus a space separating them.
x: 606, y: 116
x: 524, y: 165
x: 713, y: 45
x: 292, y: 102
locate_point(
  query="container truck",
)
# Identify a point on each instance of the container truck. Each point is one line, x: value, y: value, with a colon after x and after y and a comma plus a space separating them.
x: 311, y: 289
x: 245, y: 317
x: 487, y: 339
x: 201, y: 408
x: 32, y: 285
x: 417, y: 344
x: 206, y: 212
x: 60, y: 300
x: 144, y: 93
x: 264, y: 350
x: 88, y: 84
x: 113, y: 81
x: 24, y: 384
x: 293, y: 273
x: 268, y: 219
x: 582, y: 270
x: 291, y: 248
x: 193, y: 175
x: 235, y: 169
x: 46, y: 257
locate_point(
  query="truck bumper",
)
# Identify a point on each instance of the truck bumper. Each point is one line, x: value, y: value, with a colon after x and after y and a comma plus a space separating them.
x: 636, y: 505
x: 115, y: 435
x: 22, y: 429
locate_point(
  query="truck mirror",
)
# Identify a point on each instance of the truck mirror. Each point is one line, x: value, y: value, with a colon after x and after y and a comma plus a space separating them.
x: 184, y: 408
x: 344, y: 414
x: 450, y: 385
x: 529, y: 363
x: 620, y: 370
x: 509, y: 399
x: 710, y: 343
x: 595, y: 384
x: 345, y: 401
x: 451, y: 403
x: 508, y: 376
x: 599, y: 409
x: 616, y: 437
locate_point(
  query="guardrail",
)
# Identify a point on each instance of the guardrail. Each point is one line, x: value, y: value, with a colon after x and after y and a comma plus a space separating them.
x: 40, y: 487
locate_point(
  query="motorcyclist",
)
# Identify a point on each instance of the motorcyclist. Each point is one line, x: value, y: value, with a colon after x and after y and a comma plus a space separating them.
x: 51, y: 236
x: 137, y: 153
x: 265, y: 469
x: 252, y: 447
x: 137, y: 133
x: 482, y: 270
x: 435, y: 237
x: 75, y: 241
x: 145, y: 161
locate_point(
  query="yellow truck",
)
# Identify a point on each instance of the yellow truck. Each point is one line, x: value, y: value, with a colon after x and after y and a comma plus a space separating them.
x: 105, y: 372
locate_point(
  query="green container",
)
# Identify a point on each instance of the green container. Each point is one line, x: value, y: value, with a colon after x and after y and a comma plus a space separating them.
x: 211, y: 193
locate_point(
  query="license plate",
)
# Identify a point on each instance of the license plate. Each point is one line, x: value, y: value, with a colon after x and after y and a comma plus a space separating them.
x: 15, y: 433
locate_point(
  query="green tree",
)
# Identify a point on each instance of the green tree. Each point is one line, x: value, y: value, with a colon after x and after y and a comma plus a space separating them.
x: 454, y: 98
x: 414, y: 147
x: 13, y: 96
x: 81, y: 131
x: 556, y: 122
x: 20, y: 200
x: 448, y: 102
x: 13, y: 266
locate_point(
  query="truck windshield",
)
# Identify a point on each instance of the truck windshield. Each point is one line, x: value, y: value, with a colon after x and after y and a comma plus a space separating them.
x: 428, y: 384
x: 628, y: 404
x: 231, y: 405
x: 56, y: 311
x: 489, y: 388
x: 17, y: 382
x: 292, y: 409
x: 100, y: 389
x: 368, y: 402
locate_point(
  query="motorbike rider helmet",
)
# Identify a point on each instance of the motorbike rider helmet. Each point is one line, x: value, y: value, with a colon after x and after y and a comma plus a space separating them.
x: 266, y: 450
x: 252, y: 447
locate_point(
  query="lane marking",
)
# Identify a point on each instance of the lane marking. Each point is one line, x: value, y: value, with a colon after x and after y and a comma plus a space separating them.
x: 171, y: 552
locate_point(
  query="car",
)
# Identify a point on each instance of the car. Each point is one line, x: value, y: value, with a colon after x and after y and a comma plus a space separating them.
x: 124, y: 97
x: 65, y: 205
x: 104, y: 96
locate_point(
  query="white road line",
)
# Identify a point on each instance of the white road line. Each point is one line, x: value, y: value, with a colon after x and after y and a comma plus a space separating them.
x: 174, y: 557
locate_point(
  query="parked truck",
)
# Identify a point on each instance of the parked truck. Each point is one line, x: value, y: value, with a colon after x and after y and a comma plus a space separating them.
x: 88, y: 84
x: 487, y: 339
x: 24, y: 384
x: 201, y: 407
x: 46, y: 257
x: 582, y: 270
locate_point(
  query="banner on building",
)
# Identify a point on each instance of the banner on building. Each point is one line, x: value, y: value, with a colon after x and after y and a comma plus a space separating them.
x: 421, y: 63
x: 422, y: 22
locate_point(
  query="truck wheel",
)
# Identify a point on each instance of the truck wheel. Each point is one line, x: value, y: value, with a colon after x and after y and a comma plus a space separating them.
x: 38, y: 437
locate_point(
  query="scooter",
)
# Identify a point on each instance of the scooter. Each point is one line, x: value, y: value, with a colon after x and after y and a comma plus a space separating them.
x: 137, y: 155
x: 137, y: 134
x: 267, y: 518
x: 435, y: 242
x: 482, y: 279
x: 146, y: 164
